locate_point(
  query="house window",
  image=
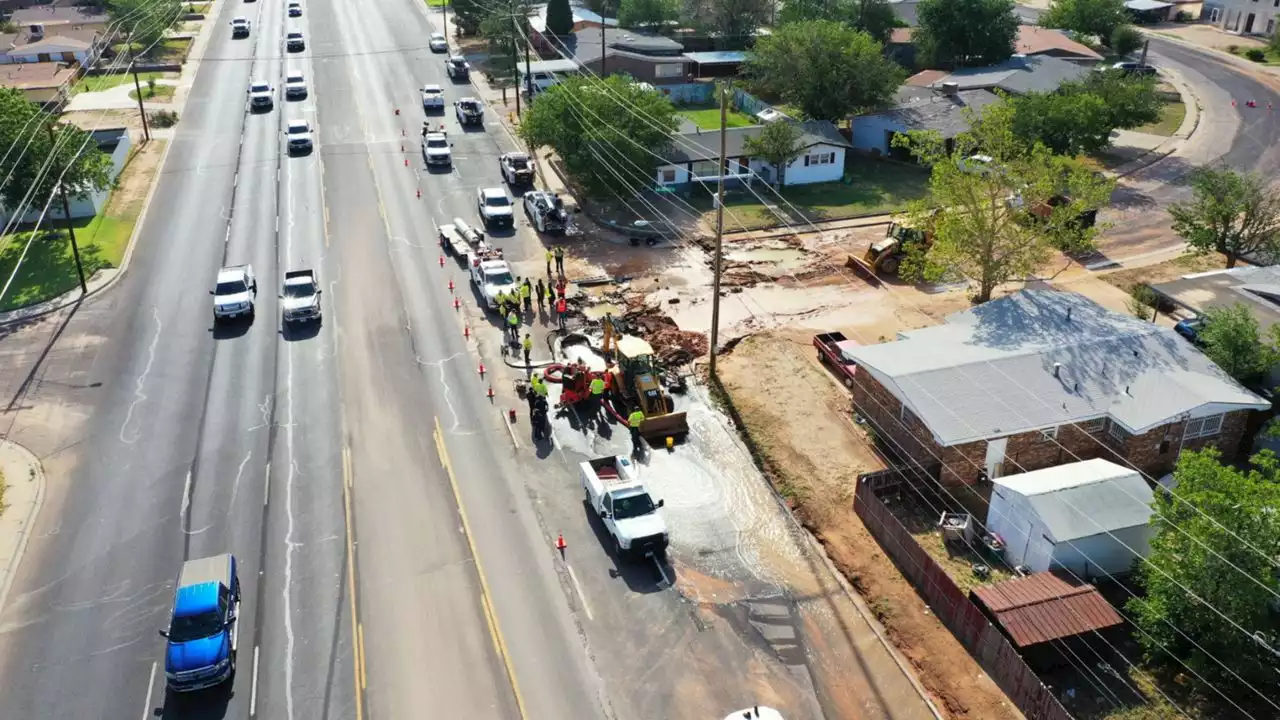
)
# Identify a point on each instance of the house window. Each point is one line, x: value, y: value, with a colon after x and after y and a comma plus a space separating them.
x: 667, y: 176
x: 1203, y: 427
x: 1117, y: 432
x: 1093, y: 426
x: 820, y: 159
x: 668, y: 70
x: 1049, y: 433
x: 706, y: 168
x: 907, y: 417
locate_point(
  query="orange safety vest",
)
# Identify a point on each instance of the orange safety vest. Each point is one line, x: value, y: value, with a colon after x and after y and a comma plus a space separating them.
x: 560, y: 306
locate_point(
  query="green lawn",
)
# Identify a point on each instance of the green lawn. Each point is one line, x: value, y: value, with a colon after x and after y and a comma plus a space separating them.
x: 158, y: 93
x: 874, y: 187
x: 98, y: 83
x: 1172, y: 113
x: 707, y: 117
x: 172, y: 50
x: 49, y: 268
x: 1271, y: 57
x: 436, y: 3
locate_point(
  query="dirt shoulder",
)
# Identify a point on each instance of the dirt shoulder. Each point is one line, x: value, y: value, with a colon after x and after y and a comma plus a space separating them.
x: 798, y: 422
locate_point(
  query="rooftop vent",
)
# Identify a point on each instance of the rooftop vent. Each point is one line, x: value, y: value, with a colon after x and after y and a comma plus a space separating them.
x: 951, y: 88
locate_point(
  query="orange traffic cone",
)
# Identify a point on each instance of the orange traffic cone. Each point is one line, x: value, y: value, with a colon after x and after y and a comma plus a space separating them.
x: 561, y: 544
x: 481, y: 369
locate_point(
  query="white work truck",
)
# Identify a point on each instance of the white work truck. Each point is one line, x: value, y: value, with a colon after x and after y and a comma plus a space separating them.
x: 491, y: 275
x: 614, y: 491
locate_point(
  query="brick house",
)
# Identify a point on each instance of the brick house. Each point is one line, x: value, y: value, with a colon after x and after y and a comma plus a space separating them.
x: 1043, y: 378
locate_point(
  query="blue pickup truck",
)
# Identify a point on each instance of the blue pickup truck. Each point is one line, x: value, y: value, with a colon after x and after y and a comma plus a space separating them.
x: 202, y: 630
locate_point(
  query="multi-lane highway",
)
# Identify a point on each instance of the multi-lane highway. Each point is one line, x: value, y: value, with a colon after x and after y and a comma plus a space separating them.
x: 395, y: 543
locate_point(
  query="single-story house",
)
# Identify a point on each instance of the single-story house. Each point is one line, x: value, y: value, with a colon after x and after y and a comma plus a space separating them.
x: 35, y: 44
x: 46, y: 83
x: 1041, y: 378
x: 583, y: 18
x: 546, y: 73
x: 694, y: 157
x: 944, y: 111
x: 1241, y: 17
x: 1162, y: 10
x: 116, y: 143
x: 1043, y: 607
x: 56, y: 17
x: 1258, y: 288
x: 647, y: 57
x: 1017, y: 75
x: 1032, y: 41
x: 1090, y: 518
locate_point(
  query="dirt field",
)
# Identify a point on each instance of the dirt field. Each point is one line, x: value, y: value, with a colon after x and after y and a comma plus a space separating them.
x: 799, y: 421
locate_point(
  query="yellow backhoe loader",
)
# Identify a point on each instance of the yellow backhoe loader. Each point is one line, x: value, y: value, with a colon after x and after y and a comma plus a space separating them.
x: 637, y: 382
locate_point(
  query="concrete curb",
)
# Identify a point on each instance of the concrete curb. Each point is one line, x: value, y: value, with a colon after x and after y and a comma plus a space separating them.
x: 1190, y: 124
x: 20, y: 527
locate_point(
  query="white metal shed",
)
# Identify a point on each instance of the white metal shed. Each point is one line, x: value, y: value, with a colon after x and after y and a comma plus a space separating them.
x: 1088, y: 517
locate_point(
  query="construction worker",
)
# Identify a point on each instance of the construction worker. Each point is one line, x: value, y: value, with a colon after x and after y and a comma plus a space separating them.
x: 540, y: 387
x: 634, y: 421
x: 501, y: 300
x: 513, y: 326
x: 528, y: 348
x: 559, y: 253
x: 540, y: 293
x: 551, y: 297
x: 549, y: 257
x: 526, y: 294
x: 560, y: 287
x: 597, y: 396
x: 562, y: 311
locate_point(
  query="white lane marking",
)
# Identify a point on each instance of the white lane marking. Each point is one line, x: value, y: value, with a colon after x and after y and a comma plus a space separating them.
x: 510, y: 430
x: 253, y: 689
x: 581, y: 595
x: 151, y: 686
x: 658, y: 565
x: 448, y: 392
x: 266, y: 489
x: 186, y: 496
x: 140, y: 383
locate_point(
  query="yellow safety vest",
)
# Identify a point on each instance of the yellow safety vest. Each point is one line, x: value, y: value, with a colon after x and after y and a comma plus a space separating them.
x: 528, y: 343
x: 524, y: 291
x: 549, y: 256
x: 635, y: 419
x: 597, y: 387
x: 513, y: 320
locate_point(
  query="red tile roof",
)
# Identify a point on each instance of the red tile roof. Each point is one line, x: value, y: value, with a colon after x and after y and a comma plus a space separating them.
x: 1043, y: 607
x: 925, y: 78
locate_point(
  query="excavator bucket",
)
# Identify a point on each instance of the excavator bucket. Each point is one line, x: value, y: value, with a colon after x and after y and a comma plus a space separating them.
x: 674, y: 425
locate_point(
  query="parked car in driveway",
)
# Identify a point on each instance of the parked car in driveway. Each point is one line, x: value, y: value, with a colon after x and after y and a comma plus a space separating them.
x: 1134, y: 68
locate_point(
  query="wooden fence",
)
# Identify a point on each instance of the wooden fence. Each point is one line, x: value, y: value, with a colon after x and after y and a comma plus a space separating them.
x: 970, y: 626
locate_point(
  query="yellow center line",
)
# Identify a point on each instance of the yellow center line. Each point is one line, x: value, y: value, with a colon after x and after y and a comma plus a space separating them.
x: 357, y: 630
x: 491, y: 617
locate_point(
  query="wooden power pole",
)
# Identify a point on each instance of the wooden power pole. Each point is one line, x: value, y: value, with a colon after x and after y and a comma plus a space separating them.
x: 717, y: 263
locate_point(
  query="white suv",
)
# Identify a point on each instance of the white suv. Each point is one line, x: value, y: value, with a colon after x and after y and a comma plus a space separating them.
x: 432, y: 98
x: 260, y: 96
x: 295, y: 85
x: 298, y: 134
x: 435, y: 149
x: 234, y: 293
x: 495, y: 208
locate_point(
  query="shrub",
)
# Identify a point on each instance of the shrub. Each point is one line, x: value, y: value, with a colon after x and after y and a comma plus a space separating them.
x: 1233, y: 49
x: 1183, y: 17
x: 1125, y: 39
x: 163, y: 119
x: 1256, y: 54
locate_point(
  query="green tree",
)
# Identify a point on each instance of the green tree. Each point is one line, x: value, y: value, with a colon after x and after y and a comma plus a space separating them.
x: 1079, y: 117
x: 1217, y: 535
x: 1125, y: 39
x: 981, y: 218
x: 874, y: 17
x: 778, y: 144
x: 559, y: 17
x: 1231, y: 213
x: 1086, y: 17
x: 1232, y: 340
x: 144, y: 21
x: 22, y: 126
x: 602, y: 129
x: 827, y: 69
x: 648, y: 13
x: 734, y: 20
x: 506, y: 33
x: 468, y: 14
x: 965, y: 33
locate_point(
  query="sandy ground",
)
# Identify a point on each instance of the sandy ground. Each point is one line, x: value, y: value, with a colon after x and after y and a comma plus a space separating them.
x: 813, y: 454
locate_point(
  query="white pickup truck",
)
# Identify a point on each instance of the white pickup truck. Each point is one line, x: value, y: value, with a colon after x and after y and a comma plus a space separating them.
x: 491, y: 274
x: 614, y: 491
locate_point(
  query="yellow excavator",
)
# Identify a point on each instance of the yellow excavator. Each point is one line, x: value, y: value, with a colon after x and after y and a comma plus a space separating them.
x: 636, y: 380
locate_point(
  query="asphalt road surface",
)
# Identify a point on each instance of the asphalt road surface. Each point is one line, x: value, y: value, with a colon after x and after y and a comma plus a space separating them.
x: 395, y: 537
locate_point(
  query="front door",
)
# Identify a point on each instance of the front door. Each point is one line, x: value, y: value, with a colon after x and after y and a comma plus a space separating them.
x: 995, y: 456
x: 1248, y: 24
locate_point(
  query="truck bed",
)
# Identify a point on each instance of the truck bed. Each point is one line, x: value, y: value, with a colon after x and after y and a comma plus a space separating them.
x: 216, y: 569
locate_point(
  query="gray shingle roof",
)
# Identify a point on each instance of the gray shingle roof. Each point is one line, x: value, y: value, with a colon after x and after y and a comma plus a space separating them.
x: 1083, y: 499
x: 1018, y: 75
x: 1256, y: 287
x: 695, y: 146
x: 1044, y: 358
x: 921, y: 108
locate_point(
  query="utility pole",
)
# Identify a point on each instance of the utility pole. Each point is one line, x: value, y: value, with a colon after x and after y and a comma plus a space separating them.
x: 446, y: 28
x: 66, y: 213
x: 1142, y: 60
x: 528, y: 76
x: 515, y: 68
x: 715, y: 269
x: 137, y: 87
x: 603, y: 72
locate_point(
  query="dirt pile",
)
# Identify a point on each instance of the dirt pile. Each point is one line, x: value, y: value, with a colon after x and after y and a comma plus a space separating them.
x: 672, y: 345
